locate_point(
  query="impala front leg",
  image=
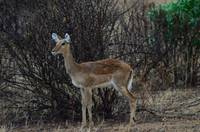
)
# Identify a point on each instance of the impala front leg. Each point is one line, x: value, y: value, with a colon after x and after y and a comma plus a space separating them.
x: 89, y: 106
x: 83, y: 101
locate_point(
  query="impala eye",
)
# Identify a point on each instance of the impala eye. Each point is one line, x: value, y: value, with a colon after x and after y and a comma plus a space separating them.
x: 63, y: 44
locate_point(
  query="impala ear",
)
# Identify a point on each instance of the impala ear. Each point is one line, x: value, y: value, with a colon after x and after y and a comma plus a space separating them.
x: 55, y: 37
x: 67, y: 38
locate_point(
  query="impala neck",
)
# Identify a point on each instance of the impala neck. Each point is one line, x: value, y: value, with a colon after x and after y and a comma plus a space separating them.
x: 70, y: 65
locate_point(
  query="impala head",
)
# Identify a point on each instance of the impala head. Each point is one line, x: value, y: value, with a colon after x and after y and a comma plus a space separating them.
x: 62, y: 45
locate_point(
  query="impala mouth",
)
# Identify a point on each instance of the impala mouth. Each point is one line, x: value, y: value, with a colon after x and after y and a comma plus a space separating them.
x: 53, y: 53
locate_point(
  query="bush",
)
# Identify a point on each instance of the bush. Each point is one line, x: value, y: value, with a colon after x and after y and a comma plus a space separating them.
x: 179, y: 15
x: 179, y: 23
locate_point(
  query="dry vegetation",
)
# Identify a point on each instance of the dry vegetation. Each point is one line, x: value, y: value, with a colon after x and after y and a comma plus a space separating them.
x: 169, y: 126
x: 158, y: 1
x: 37, y: 95
x: 169, y: 105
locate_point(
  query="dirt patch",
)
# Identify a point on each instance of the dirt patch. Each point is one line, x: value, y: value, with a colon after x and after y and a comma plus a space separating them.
x: 169, y: 125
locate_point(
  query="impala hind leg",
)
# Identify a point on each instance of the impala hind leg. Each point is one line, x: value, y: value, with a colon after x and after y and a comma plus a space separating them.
x: 132, y: 103
x: 132, y: 100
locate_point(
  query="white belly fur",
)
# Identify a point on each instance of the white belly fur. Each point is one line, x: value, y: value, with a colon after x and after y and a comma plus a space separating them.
x: 102, y: 85
x: 106, y: 84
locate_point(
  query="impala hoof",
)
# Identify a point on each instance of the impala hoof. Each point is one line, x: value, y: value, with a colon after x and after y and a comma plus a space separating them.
x: 91, y: 124
x: 83, y: 128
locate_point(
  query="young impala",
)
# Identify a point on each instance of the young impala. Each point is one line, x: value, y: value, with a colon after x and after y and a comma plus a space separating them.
x: 96, y: 74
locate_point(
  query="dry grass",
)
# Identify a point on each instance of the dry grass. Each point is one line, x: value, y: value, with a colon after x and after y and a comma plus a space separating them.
x: 158, y: 1
x: 145, y: 1
x: 170, y: 102
x: 169, y: 126
x: 176, y: 102
x: 2, y: 129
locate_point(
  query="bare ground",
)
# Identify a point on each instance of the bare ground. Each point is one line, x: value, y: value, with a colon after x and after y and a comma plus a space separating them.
x: 168, y: 125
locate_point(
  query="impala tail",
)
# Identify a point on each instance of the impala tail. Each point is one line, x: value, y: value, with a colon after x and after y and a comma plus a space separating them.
x: 130, y: 81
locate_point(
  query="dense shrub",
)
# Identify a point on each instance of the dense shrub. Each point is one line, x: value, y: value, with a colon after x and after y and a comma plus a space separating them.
x: 179, y: 24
